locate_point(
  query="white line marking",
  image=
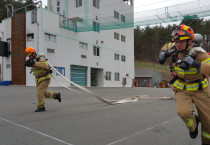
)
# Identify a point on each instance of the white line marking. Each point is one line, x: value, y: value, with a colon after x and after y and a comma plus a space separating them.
x: 140, y: 132
x: 38, y: 132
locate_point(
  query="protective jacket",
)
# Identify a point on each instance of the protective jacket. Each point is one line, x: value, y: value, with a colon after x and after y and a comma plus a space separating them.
x: 192, y: 79
x: 41, y: 70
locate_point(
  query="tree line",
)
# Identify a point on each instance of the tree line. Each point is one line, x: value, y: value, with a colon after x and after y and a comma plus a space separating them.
x: 149, y: 40
x: 16, y: 4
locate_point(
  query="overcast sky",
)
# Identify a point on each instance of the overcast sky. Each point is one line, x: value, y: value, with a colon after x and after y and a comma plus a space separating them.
x: 141, y: 5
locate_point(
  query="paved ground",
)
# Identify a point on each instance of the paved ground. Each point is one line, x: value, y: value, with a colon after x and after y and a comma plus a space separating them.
x: 82, y: 120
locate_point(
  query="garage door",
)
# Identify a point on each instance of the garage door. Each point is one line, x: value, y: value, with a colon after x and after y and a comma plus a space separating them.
x: 79, y: 75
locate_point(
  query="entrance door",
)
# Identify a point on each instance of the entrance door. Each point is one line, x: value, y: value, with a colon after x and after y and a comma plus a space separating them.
x: 94, y: 77
x: 79, y: 75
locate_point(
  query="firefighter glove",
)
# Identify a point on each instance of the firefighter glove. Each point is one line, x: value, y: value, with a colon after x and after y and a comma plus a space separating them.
x: 191, y: 62
x: 162, y: 57
x: 27, y: 63
x: 30, y: 63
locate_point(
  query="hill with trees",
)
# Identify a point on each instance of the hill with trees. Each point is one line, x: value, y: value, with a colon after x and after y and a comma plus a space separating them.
x: 149, y: 40
x: 16, y: 4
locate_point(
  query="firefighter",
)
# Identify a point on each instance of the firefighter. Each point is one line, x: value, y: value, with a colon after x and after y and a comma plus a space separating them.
x: 41, y: 71
x: 190, y: 84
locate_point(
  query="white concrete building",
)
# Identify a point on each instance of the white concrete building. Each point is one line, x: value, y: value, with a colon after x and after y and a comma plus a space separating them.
x: 90, y: 41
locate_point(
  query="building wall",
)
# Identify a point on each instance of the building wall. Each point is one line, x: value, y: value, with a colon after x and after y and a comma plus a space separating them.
x: 67, y: 50
x: 5, y: 34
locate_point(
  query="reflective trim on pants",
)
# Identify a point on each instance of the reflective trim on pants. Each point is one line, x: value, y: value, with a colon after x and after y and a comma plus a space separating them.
x: 51, y: 94
x: 40, y: 104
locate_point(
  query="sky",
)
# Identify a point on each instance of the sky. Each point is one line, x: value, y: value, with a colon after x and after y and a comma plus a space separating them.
x: 141, y: 5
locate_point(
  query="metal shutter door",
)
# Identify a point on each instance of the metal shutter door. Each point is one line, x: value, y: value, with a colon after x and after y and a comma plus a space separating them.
x: 79, y: 75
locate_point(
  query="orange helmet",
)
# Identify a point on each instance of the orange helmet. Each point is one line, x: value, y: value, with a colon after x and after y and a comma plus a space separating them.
x: 29, y: 51
x: 183, y: 33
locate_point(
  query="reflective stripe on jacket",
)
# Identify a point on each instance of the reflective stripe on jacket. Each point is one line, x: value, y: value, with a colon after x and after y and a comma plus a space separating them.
x: 190, y: 87
x: 38, y: 80
x: 185, y: 72
x: 41, y: 70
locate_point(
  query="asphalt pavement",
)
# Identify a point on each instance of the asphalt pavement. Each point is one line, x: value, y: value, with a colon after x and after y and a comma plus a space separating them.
x: 83, y: 120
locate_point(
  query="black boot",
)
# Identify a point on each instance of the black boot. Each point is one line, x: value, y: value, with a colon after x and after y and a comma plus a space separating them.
x: 40, y: 109
x: 205, y: 144
x: 58, y: 97
x: 194, y: 134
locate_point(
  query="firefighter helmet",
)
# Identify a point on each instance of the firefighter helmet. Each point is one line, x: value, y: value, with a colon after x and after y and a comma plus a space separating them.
x: 183, y: 32
x: 29, y: 51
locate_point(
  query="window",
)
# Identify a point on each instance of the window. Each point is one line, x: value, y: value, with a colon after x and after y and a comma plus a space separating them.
x: 30, y: 37
x: 108, y: 76
x: 96, y: 51
x: 129, y: 2
x: 50, y: 50
x: 116, y: 56
x: 47, y: 37
x: 34, y: 16
x: 78, y: 3
x: 96, y: 26
x: 117, y: 76
x: 116, y: 35
x: 122, y: 38
x: 116, y: 15
x: 83, y: 56
x: 50, y: 37
x: 58, y: 6
x: 83, y: 45
x: 96, y: 3
x: 122, y: 58
x: 58, y: 9
x: 123, y: 18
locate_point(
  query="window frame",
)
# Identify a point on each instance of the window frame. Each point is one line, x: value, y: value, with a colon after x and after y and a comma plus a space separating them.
x: 123, y: 38
x: 108, y: 76
x: 116, y: 35
x: 116, y: 15
x: 96, y: 26
x: 96, y: 4
x: 82, y: 44
x: 122, y: 18
x: 116, y: 56
x: 96, y: 50
x: 78, y: 3
x: 123, y: 58
x: 117, y: 76
x: 49, y: 37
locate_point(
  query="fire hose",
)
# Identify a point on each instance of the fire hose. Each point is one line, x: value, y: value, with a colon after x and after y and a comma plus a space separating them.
x: 107, y: 101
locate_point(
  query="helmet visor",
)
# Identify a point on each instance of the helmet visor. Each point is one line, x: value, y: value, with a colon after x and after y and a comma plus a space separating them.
x: 180, y: 35
x: 179, y: 32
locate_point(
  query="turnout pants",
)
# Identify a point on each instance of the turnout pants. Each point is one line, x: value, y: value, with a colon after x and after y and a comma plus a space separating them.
x: 42, y: 93
x: 185, y: 108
